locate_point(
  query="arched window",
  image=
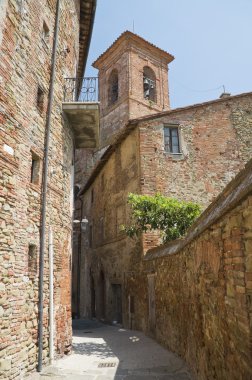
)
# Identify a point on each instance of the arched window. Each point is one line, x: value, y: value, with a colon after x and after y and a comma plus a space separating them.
x: 149, y: 84
x: 113, y: 87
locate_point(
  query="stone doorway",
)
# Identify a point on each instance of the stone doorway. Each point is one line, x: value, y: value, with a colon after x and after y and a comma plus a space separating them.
x: 117, y: 302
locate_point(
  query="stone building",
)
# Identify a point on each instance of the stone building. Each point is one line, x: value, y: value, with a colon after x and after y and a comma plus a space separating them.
x: 194, y: 295
x: 41, y: 44
x: 190, y: 153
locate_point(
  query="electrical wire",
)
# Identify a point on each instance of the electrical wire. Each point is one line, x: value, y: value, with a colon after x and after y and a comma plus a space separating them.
x: 193, y: 90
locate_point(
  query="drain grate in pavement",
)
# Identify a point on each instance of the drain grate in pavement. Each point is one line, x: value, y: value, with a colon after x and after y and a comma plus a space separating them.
x: 102, y: 365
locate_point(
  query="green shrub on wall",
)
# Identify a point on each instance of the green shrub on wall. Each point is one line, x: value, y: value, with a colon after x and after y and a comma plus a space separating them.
x: 168, y: 215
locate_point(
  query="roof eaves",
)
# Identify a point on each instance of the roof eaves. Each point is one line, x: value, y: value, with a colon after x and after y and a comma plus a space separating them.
x: 87, y: 16
x: 197, y: 105
x: 133, y: 35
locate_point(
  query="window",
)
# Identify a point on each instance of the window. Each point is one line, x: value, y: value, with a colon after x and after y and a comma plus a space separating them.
x: 35, y: 165
x: 92, y: 196
x: 113, y: 87
x: 45, y: 33
x: 149, y: 84
x: 171, y: 140
x: 32, y: 259
x: 40, y: 99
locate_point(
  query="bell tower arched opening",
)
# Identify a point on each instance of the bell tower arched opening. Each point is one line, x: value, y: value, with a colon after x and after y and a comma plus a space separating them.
x: 149, y: 84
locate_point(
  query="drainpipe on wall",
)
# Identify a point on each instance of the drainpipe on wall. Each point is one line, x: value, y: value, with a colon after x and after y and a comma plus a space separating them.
x: 51, y: 305
x: 44, y: 189
x: 79, y: 262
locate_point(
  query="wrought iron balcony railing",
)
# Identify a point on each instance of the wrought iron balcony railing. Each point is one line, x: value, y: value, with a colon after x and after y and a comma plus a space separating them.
x: 81, y: 89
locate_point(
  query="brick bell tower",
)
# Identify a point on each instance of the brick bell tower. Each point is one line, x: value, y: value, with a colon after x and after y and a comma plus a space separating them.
x: 133, y: 82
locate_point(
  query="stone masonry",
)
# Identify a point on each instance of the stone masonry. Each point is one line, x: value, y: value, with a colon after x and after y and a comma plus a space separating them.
x: 200, y: 304
x: 137, y: 162
x: 215, y: 142
x: 26, y: 39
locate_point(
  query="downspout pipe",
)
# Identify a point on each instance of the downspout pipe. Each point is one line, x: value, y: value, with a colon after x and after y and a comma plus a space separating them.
x: 79, y: 262
x: 44, y: 189
x: 51, y: 304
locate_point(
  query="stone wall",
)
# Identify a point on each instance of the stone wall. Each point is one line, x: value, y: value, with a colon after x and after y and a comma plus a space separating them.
x: 216, y: 142
x: 26, y: 40
x: 199, y: 173
x: 198, y: 303
x: 105, y: 251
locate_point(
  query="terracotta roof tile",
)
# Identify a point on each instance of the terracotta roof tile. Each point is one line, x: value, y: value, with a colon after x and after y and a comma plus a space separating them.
x: 135, y: 36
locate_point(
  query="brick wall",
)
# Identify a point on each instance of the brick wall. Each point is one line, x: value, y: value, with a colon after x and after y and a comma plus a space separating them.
x: 203, y: 288
x: 25, y: 65
x: 129, y: 55
x: 105, y: 206
x: 199, y: 173
x: 216, y: 142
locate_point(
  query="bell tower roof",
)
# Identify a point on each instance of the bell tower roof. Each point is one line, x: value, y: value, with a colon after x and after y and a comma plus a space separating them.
x: 128, y: 36
x: 133, y: 82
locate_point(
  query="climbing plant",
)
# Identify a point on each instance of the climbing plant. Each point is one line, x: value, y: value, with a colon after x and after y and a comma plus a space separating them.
x: 168, y: 215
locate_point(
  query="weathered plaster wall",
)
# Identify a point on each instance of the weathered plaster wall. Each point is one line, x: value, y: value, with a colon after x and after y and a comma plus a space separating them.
x: 25, y: 65
x: 201, y: 308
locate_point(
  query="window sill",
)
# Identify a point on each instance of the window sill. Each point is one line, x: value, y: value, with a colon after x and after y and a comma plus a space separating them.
x: 175, y: 156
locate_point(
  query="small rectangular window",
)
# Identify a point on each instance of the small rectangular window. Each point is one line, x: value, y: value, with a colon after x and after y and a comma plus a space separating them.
x: 32, y: 260
x: 35, y: 166
x: 92, y: 196
x: 45, y: 33
x: 171, y: 140
x: 40, y: 99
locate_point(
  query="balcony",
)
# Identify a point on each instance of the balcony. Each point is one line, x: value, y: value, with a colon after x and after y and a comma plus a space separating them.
x: 81, y: 108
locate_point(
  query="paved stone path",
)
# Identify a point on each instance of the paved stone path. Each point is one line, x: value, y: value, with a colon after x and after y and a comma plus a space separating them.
x: 103, y: 352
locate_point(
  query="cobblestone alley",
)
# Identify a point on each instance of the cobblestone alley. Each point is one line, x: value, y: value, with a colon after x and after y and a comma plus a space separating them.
x: 104, y: 352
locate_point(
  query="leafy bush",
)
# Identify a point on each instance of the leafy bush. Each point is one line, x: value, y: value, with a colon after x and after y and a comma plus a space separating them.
x: 169, y: 215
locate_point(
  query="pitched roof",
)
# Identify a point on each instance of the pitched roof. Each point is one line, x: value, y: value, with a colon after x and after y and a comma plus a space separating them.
x: 136, y: 37
x: 87, y: 15
x: 197, y: 105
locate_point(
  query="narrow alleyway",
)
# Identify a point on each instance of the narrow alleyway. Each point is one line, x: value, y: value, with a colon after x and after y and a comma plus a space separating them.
x: 103, y: 352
